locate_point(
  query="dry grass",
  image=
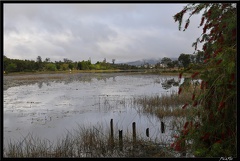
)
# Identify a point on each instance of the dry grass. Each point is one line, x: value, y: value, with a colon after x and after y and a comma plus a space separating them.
x: 85, y: 142
x: 167, y: 104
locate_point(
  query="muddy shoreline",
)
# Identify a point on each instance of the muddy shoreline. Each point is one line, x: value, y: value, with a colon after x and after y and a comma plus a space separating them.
x: 30, y: 79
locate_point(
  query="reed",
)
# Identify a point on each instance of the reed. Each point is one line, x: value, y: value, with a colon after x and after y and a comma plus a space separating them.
x: 85, y: 142
x: 167, y: 104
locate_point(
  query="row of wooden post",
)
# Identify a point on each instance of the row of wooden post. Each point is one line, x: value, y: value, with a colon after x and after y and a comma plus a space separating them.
x: 134, y: 134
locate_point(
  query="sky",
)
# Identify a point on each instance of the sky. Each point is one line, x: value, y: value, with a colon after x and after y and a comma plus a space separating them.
x: 97, y: 31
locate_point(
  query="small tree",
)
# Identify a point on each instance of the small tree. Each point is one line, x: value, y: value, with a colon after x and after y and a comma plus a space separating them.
x: 166, y: 61
x: 39, y: 59
x: 79, y: 65
x: 6, y: 62
x: 211, y: 130
x: 104, y: 60
x: 12, y: 67
x: 175, y: 63
x: 47, y: 60
x: 39, y: 63
x: 70, y: 66
x: 113, y: 61
x: 199, y: 57
x: 64, y: 66
x: 184, y: 60
x: 51, y: 67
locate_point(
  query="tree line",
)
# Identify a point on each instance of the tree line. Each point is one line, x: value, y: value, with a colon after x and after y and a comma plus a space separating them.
x: 184, y: 60
x: 16, y: 65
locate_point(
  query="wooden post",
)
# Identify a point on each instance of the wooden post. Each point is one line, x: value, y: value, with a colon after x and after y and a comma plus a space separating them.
x: 134, y: 132
x: 111, y: 125
x: 111, y: 135
x: 120, y: 140
x: 162, y: 127
x: 147, y: 132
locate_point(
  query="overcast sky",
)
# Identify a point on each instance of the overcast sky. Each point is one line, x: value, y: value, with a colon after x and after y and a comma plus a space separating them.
x: 125, y: 32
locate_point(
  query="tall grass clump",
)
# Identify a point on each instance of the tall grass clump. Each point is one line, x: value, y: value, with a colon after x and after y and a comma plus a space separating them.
x: 85, y: 142
x: 166, y: 104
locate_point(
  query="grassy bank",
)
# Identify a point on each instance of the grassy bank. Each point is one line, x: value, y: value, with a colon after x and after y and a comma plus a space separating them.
x: 60, y: 72
x: 146, y: 71
x: 86, y: 142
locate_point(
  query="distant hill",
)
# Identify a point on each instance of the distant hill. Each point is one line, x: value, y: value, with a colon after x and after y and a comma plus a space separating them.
x: 145, y: 61
x: 142, y: 62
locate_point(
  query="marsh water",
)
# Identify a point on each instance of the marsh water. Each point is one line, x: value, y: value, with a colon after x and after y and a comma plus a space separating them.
x: 49, y: 105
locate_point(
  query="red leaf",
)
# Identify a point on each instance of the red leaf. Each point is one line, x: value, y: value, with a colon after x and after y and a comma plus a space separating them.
x: 180, y: 75
x: 175, y: 136
x: 197, y: 124
x: 216, y: 52
x: 178, y: 146
x: 204, y: 29
x: 186, y: 25
x: 193, y: 96
x: 185, y: 131
x: 202, y: 20
x: 183, y: 11
x: 186, y: 124
x: 180, y: 90
x: 191, y: 124
x: 202, y: 84
x: 195, y: 103
x: 195, y: 11
x: 221, y: 106
x: 204, y: 47
x: 210, y: 25
x: 184, y: 106
x: 206, y: 60
x: 219, y: 61
x: 211, y: 39
x: 209, y: 13
x: 205, y: 137
x: 195, y: 74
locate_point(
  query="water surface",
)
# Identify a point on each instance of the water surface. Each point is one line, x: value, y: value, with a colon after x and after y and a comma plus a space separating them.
x: 48, y: 108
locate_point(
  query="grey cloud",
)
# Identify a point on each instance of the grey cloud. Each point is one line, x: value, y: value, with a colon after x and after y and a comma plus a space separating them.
x: 92, y: 32
x: 79, y: 31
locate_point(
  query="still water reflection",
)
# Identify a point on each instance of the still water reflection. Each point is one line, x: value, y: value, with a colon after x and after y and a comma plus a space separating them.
x: 48, y: 107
